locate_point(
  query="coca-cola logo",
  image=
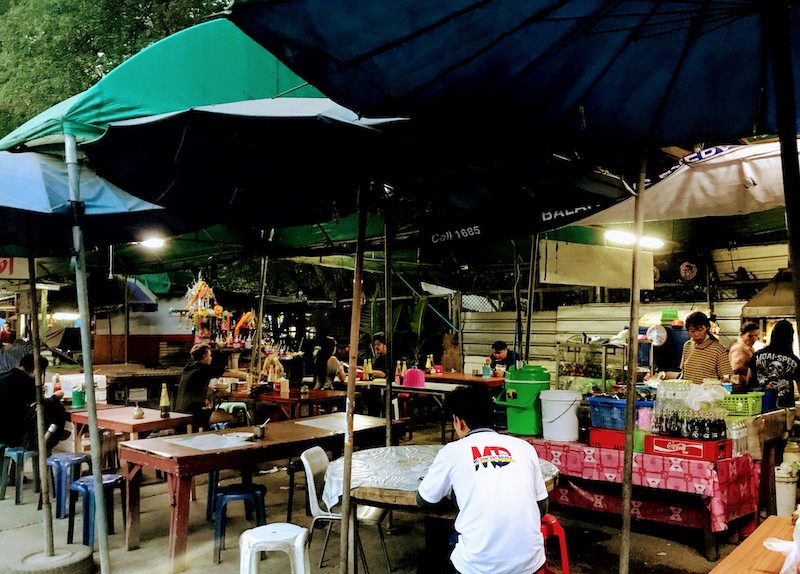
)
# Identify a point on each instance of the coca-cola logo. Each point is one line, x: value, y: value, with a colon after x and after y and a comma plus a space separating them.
x: 676, y: 446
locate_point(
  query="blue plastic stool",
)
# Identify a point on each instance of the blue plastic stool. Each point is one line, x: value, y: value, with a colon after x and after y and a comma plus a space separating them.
x: 249, y: 493
x: 213, y: 485
x: 18, y: 455
x: 85, y: 487
x: 65, y: 467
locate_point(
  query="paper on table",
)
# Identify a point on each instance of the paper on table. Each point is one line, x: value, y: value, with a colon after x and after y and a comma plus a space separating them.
x: 208, y: 441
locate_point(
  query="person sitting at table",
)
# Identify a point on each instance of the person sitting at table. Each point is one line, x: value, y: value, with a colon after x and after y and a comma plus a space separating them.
x: 194, y: 396
x: 327, y: 369
x: 379, y: 365
x: 342, y: 352
x: 502, y: 356
x: 703, y: 356
x: 17, y: 393
x: 491, y: 535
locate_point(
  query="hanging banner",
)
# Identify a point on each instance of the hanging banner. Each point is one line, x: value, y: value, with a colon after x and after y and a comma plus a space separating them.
x: 13, y: 268
x: 565, y: 263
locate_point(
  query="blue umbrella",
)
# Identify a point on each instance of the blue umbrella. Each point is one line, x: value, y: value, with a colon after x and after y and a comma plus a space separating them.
x: 37, y: 212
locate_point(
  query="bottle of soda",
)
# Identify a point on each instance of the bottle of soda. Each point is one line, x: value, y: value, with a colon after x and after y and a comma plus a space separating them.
x: 398, y: 374
x: 163, y: 403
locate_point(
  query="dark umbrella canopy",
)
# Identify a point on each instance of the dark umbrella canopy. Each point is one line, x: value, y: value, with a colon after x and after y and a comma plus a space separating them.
x: 279, y: 162
x: 632, y: 72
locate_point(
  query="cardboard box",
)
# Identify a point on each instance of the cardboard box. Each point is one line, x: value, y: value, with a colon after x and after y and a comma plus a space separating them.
x: 692, y: 449
x: 607, y: 438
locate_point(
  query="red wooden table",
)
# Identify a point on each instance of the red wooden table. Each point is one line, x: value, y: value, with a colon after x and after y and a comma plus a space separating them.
x: 121, y: 420
x: 182, y: 457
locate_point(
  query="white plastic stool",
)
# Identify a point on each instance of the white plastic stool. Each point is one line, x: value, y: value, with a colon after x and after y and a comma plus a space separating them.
x: 274, y: 537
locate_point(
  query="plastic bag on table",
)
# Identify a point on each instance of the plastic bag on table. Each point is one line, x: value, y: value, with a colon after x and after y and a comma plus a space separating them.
x: 791, y: 548
x: 708, y: 393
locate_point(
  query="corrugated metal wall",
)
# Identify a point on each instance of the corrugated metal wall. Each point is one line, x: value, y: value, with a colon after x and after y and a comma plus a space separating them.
x: 480, y: 330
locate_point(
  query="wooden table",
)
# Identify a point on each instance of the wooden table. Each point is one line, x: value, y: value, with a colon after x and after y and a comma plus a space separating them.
x: 121, y: 419
x: 751, y: 557
x: 292, y: 405
x: 176, y: 457
x: 465, y: 379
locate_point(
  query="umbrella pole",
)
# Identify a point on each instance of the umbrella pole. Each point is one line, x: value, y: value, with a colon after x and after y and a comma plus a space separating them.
x: 255, y: 357
x: 633, y: 363
x: 40, y: 429
x: 347, y: 544
x: 387, y: 324
x: 79, y: 261
x: 531, y: 282
x: 779, y: 33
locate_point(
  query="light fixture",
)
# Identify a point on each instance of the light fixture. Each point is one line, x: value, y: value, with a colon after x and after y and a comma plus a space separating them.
x: 620, y: 237
x: 153, y: 243
x: 627, y: 238
x: 66, y: 316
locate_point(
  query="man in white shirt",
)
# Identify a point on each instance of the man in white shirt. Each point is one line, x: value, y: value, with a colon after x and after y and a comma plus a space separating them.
x: 497, y: 484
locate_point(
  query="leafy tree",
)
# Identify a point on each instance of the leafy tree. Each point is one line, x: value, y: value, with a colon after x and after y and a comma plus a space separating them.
x: 53, y: 49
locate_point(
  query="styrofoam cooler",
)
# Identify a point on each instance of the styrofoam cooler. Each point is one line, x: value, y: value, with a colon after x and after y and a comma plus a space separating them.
x: 560, y: 414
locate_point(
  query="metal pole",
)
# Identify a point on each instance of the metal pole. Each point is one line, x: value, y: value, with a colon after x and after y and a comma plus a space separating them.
x: 387, y: 324
x: 347, y: 546
x: 40, y: 428
x: 531, y: 281
x: 79, y: 262
x: 255, y: 357
x: 778, y: 33
x: 633, y: 362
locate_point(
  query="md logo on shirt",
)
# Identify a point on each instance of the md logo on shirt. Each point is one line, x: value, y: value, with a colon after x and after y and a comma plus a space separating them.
x: 496, y: 455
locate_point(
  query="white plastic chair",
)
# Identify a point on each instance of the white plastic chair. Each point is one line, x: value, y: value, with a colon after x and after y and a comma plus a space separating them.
x: 315, y: 462
x: 275, y: 537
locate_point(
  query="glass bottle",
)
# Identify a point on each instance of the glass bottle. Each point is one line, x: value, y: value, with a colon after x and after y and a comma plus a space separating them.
x: 163, y: 403
x: 370, y: 375
x: 398, y: 374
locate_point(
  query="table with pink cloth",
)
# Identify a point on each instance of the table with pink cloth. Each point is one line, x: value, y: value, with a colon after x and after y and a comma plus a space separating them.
x: 713, y: 493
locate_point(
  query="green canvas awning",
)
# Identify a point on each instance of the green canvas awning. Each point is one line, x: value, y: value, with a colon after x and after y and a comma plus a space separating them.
x: 211, y: 63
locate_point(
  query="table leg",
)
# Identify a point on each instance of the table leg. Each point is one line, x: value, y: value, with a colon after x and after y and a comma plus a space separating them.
x: 78, y: 436
x: 180, y: 489
x: 133, y: 477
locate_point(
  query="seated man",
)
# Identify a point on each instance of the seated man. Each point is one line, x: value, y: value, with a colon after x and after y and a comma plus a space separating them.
x: 502, y: 357
x: 195, y: 397
x: 17, y: 394
x: 491, y: 536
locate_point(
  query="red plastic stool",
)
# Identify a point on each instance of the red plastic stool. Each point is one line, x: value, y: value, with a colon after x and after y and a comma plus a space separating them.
x: 551, y: 527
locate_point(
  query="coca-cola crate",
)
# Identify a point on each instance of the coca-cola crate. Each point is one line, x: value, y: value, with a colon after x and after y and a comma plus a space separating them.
x: 693, y: 449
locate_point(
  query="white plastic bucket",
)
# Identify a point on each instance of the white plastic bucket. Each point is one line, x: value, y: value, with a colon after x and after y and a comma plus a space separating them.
x: 785, y: 494
x: 560, y: 414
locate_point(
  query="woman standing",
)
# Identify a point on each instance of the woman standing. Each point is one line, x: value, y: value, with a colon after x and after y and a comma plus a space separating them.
x: 703, y: 356
x: 775, y: 369
x: 742, y: 350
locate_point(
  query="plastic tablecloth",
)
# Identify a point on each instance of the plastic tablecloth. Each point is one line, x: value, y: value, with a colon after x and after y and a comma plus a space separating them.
x: 390, y: 467
x: 727, y: 488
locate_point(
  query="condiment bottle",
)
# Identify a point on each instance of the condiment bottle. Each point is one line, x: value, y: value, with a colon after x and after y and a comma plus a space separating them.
x: 370, y: 376
x: 398, y: 374
x: 163, y: 403
x: 429, y: 364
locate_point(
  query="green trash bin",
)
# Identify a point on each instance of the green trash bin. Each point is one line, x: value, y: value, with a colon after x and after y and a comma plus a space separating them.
x: 520, y: 397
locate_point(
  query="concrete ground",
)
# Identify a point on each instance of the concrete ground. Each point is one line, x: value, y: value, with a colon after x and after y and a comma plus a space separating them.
x: 593, y: 539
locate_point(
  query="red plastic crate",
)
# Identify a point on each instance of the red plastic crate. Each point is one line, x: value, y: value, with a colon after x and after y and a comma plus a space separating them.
x: 710, y: 450
x: 607, y: 438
